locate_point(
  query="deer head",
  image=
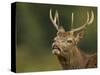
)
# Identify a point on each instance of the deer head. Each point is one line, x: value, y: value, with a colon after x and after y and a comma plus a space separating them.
x: 66, y: 41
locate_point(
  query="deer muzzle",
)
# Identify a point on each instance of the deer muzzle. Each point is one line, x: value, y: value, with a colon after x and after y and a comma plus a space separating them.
x: 56, y: 49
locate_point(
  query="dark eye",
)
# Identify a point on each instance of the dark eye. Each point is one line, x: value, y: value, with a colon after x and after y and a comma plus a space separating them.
x: 60, y: 33
x: 69, y: 41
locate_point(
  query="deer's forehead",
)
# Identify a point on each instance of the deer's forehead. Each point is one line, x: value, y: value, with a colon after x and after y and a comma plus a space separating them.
x: 64, y: 34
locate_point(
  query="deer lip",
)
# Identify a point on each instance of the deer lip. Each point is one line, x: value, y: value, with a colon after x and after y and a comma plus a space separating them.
x: 56, y: 47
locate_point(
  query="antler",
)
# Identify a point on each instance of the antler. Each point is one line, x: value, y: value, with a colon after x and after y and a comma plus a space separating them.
x: 72, y: 21
x: 55, y: 19
x: 89, y: 21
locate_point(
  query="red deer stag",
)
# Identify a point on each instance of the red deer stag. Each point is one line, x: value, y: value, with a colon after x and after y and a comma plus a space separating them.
x: 65, y: 45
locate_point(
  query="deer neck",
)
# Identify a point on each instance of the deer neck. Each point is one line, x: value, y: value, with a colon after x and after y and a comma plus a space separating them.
x: 72, y: 59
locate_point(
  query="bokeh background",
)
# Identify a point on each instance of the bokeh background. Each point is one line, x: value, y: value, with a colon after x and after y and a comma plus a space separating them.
x: 35, y: 33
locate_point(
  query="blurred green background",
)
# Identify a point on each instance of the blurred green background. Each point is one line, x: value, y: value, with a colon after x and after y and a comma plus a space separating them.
x: 35, y: 33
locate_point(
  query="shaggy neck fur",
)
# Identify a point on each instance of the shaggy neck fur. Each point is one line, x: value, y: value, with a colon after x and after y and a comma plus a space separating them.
x: 73, y: 59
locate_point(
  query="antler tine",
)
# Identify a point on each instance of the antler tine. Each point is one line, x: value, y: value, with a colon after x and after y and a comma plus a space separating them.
x: 89, y: 21
x: 56, y: 18
x: 72, y: 20
x: 92, y: 18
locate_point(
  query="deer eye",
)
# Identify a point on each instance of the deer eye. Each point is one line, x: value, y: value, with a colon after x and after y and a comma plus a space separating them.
x: 60, y: 33
x: 69, y: 41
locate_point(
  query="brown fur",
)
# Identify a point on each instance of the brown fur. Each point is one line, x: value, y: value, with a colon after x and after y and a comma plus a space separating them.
x: 71, y: 57
x: 65, y: 45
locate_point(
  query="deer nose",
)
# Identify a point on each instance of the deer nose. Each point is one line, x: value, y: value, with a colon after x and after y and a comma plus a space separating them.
x: 55, y: 39
x: 55, y: 43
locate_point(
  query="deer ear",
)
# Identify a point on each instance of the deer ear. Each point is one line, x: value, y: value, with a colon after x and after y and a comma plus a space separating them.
x: 79, y: 35
x: 61, y: 29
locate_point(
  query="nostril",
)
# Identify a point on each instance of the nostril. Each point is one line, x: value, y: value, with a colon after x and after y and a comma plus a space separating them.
x: 55, y: 45
x: 54, y: 40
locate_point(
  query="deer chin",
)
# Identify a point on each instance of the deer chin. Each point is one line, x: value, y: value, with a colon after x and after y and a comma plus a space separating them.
x: 56, y: 51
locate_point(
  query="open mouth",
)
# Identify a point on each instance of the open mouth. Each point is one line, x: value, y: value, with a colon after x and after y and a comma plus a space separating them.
x: 56, y: 50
